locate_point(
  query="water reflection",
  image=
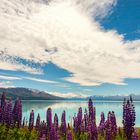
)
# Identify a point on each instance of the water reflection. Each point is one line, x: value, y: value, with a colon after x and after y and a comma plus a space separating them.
x: 71, y: 107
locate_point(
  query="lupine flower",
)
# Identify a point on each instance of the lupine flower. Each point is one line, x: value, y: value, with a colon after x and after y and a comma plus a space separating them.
x: 79, y: 117
x: 108, y: 127
x: 53, y: 134
x: 9, y: 116
x: 43, y: 129
x: 82, y: 126
x: 92, y: 111
x: 101, y: 127
x: 113, y: 123
x: 92, y: 131
x: 108, y: 130
x: 128, y: 117
x: 3, y: 107
x: 90, y: 108
x: 58, y: 135
x: 56, y: 121
x: 135, y: 135
x: 63, y: 123
x: 75, y: 124
x: 3, y: 100
x: 43, y: 137
x: 49, y: 119
x: 0, y: 115
x: 69, y: 135
x: 31, y: 120
x: 86, y: 119
x: 37, y: 122
x: 17, y: 112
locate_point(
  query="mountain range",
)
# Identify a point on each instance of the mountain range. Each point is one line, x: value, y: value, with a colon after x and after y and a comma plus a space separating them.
x: 33, y: 94
x: 28, y: 94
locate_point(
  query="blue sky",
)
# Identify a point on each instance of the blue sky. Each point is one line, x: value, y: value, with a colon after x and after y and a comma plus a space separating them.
x: 90, y: 48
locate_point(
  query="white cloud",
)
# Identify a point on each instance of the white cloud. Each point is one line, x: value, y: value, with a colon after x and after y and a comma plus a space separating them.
x: 69, y: 95
x: 40, y: 80
x: 13, y: 66
x: 6, y: 84
x: 66, y: 33
x: 9, y: 77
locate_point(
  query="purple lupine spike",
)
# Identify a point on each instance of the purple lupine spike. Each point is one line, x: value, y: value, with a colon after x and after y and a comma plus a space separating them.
x: 102, y: 124
x: 43, y: 137
x: 133, y: 111
x: 128, y: 117
x: 43, y: 129
x: 3, y: 99
x: 31, y: 120
x: 108, y: 127
x: 17, y: 112
x: 3, y: 107
x: 108, y: 130
x: 90, y: 107
x: 86, y: 119
x: 49, y: 119
x: 0, y: 115
x: 53, y: 134
x: 63, y: 124
x: 56, y: 121
x: 9, y: 116
x: 135, y: 135
x: 75, y: 124
x: 89, y: 128
x: 37, y: 122
x: 58, y: 135
x: 79, y: 117
x: 92, y: 111
x: 82, y: 127
x: 69, y: 135
x: 92, y: 131
x: 114, y: 124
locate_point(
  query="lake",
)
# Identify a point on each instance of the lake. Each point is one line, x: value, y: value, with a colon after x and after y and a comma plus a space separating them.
x: 71, y: 107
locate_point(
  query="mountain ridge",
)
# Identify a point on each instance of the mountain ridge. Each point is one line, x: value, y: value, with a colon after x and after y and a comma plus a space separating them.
x: 35, y: 94
x: 28, y: 94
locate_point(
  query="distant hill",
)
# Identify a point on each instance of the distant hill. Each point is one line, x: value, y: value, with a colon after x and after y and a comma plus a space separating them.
x: 28, y: 94
x: 116, y: 97
x: 33, y: 94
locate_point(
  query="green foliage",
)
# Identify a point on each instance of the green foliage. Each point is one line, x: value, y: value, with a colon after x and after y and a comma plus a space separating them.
x: 17, y: 133
x: 100, y: 137
x: 14, y: 133
x: 83, y: 136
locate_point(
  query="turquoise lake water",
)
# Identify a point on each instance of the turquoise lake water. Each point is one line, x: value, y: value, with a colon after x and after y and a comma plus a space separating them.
x: 71, y: 107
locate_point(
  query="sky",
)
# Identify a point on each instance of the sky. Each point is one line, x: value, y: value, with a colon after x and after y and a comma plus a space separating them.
x: 71, y: 47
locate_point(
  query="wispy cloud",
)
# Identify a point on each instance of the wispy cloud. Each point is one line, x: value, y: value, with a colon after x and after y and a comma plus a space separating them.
x: 67, y: 34
x: 40, y: 80
x: 6, y: 84
x: 9, y: 77
x: 70, y: 95
x: 13, y: 66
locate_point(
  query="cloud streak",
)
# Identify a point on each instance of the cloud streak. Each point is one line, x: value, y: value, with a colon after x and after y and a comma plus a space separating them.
x: 6, y: 84
x: 67, y: 34
x: 69, y: 95
x: 40, y: 80
x: 9, y: 77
